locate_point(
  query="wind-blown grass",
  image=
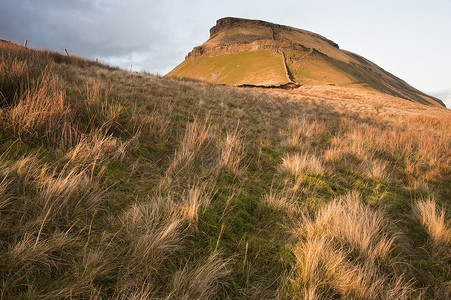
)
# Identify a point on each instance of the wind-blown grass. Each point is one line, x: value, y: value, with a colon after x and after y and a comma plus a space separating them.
x: 344, y: 250
x: 434, y: 221
x: 231, y: 151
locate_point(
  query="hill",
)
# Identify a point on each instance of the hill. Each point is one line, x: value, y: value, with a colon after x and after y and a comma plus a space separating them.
x: 122, y: 185
x: 244, y: 52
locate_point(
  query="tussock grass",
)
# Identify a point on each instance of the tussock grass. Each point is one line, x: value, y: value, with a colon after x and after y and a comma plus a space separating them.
x: 375, y: 169
x: 197, y: 197
x: 40, y: 110
x: 201, y: 281
x: 13, y: 82
x: 365, y: 140
x: 345, y: 251
x: 41, y: 226
x: 98, y: 147
x: 196, y: 135
x: 322, y: 272
x: 282, y: 201
x: 155, y: 124
x: 50, y: 196
x: 153, y: 231
x: 44, y: 114
x: 332, y: 155
x: 29, y: 258
x: 302, y: 164
x: 111, y: 189
x: 302, y: 132
x: 231, y: 151
x: 434, y: 221
x: 347, y: 219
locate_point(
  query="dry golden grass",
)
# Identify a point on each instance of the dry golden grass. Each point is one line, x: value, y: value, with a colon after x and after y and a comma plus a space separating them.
x: 43, y: 241
x: 302, y: 132
x: 31, y: 258
x: 152, y: 230
x: 281, y: 201
x: 433, y: 219
x: 344, y: 251
x: 333, y: 155
x: 98, y: 147
x: 231, y: 151
x: 347, y: 219
x: 302, y: 164
x: 194, y: 199
x: 365, y: 139
x: 44, y: 113
x: 40, y: 110
x: 59, y: 197
x: 196, y: 135
x: 13, y: 82
x: 155, y: 124
x: 200, y: 281
x: 375, y: 169
x: 323, y: 272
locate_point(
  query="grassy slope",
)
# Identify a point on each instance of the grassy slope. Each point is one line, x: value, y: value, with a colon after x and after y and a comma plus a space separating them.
x: 126, y: 185
x: 317, y: 70
x: 262, y: 67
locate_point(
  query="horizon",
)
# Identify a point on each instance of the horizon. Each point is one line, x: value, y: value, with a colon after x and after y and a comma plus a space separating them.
x: 131, y: 35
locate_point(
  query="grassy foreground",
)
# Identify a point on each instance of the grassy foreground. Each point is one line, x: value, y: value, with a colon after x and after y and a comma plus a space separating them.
x: 119, y: 185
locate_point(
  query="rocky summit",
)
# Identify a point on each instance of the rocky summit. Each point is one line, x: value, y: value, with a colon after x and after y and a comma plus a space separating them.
x: 242, y: 52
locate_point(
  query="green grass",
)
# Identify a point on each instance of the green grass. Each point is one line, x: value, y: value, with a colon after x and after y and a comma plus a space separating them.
x: 246, y: 67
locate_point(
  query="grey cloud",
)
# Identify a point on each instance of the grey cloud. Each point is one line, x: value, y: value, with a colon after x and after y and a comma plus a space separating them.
x: 155, y: 35
x: 46, y: 23
x: 152, y: 34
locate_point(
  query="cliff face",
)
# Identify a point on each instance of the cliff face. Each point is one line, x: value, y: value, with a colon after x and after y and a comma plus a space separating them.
x: 228, y: 23
x: 245, y: 52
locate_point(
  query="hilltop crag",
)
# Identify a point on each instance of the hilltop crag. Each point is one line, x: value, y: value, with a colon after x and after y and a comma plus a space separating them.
x: 242, y: 52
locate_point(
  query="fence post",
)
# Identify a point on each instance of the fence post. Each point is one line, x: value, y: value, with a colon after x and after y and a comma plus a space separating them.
x: 67, y: 53
x: 25, y: 43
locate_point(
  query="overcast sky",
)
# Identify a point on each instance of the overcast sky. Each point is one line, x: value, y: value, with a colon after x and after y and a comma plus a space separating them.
x: 409, y: 38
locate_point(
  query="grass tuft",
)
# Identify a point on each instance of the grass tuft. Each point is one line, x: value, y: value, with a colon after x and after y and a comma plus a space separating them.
x: 231, y: 151
x: 201, y: 281
x: 302, y: 164
x: 434, y: 221
x: 345, y: 251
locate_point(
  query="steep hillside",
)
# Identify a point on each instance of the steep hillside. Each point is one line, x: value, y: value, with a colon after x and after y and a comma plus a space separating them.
x: 121, y: 185
x: 245, y: 52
